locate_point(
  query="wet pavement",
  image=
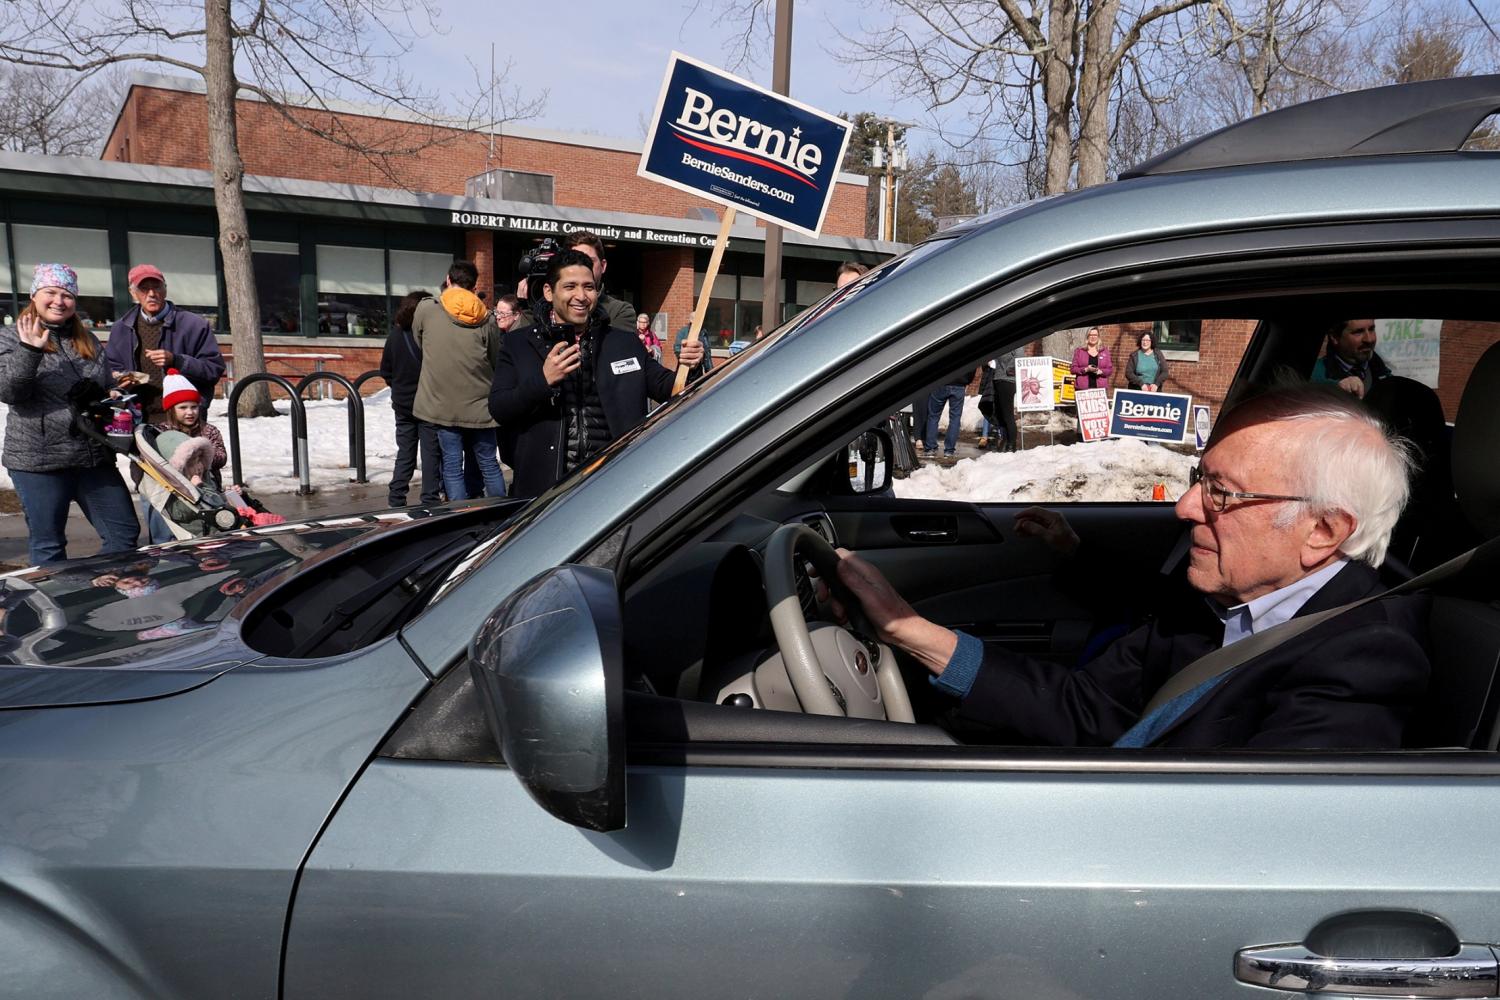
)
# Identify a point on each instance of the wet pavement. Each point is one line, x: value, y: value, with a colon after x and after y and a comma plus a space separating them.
x: 353, y: 498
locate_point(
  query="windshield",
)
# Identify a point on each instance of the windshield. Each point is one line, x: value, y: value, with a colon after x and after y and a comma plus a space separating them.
x: 794, y: 327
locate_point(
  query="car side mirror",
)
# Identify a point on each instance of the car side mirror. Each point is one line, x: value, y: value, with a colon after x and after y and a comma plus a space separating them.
x: 870, y: 462
x: 548, y: 665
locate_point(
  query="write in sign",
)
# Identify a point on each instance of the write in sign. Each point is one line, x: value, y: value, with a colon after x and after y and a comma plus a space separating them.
x: 727, y: 140
x: 1153, y: 416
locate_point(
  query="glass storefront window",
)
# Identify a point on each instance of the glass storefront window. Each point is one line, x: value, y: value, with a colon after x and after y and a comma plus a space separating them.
x: 278, y: 286
x: 414, y: 269
x: 7, y: 311
x: 351, y: 291
x: 190, y: 268
x: 85, y: 251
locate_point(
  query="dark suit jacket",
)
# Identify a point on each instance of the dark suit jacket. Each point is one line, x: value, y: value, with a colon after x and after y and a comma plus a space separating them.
x: 530, y: 413
x: 1349, y: 682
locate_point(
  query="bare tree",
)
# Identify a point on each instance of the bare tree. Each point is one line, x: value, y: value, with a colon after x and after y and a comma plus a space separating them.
x: 1009, y: 64
x: 304, y: 57
x: 53, y: 112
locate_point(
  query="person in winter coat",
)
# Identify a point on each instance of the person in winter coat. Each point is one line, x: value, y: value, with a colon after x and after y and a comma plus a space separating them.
x: 401, y: 367
x: 155, y: 335
x: 460, y: 345
x: 1147, y: 369
x: 1092, y: 364
x: 42, y: 359
x: 566, y: 388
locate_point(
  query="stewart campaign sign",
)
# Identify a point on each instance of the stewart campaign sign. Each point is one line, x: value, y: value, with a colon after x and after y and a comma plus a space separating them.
x: 1154, y: 416
x: 727, y: 140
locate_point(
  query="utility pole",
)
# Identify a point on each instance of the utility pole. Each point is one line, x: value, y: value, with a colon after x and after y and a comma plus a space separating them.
x: 891, y: 157
x: 890, y: 182
x: 781, y: 81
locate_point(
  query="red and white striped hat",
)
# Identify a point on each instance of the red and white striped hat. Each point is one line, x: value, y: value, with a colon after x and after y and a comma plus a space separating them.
x: 175, y: 388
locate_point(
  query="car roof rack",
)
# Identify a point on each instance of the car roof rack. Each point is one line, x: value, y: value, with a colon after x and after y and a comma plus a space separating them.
x: 1432, y: 116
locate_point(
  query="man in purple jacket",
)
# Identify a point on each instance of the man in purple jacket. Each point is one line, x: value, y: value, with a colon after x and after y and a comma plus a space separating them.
x: 156, y: 335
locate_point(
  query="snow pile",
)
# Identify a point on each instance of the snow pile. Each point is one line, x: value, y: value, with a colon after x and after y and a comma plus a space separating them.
x: 1116, y: 469
x: 1124, y: 469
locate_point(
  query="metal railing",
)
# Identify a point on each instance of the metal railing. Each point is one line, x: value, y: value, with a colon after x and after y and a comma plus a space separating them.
x: 301, y: 468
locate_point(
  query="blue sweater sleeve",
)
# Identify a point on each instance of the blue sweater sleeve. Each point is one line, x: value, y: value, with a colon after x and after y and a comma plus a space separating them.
x: 958, y: 676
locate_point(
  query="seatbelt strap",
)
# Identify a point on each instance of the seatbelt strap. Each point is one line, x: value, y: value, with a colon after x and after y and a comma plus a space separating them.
x: 1226, y: 658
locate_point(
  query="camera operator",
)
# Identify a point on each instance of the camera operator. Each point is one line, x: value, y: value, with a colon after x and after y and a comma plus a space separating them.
x: 566, y: 387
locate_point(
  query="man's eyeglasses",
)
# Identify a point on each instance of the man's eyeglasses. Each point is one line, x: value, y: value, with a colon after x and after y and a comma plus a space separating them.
x: 1218, y: 497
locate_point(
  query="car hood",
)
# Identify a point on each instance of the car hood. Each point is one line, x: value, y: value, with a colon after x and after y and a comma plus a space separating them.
x: 145, y: 623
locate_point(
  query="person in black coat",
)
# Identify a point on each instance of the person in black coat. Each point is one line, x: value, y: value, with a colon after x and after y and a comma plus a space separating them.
x: 401, y: 367
x: 567, y: 387
x: 1272, y: 538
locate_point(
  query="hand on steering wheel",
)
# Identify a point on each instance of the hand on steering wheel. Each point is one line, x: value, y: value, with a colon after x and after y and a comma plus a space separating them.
x: 843, y: 677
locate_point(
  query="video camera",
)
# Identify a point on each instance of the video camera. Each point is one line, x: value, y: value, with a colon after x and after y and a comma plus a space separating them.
x: 533, y: 267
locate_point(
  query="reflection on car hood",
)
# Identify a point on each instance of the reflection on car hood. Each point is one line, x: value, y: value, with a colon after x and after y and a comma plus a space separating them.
x: 155, y: 609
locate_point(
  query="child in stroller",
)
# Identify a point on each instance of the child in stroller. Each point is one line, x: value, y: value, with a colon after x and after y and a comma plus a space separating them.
x: 178, y: 459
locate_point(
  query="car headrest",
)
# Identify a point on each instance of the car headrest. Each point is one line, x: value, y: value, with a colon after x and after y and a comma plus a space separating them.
x: 1476, y: 431
x: 1414, y: 411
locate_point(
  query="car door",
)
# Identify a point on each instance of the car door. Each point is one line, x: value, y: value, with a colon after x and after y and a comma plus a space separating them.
x: 804, y: 868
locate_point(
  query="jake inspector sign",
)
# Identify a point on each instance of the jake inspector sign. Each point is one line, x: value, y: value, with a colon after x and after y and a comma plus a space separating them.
x: 725, y: 139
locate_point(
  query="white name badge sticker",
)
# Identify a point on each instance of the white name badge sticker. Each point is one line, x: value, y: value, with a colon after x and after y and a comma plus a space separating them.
x: 628, y: 365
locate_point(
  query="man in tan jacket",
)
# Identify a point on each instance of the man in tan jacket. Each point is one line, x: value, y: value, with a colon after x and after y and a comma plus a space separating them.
x: 460, y: 344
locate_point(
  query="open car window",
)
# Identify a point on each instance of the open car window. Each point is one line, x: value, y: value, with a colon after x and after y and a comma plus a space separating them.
x: 944, y: 533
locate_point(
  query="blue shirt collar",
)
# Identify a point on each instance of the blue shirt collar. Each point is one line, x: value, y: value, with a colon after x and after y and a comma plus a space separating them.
x: 1269, y: 610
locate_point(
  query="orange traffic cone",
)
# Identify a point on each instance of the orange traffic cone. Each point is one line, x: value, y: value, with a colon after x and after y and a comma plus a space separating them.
x: 1159, y: 491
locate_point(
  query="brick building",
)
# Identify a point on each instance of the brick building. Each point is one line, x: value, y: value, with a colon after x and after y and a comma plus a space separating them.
x: 505, y: 193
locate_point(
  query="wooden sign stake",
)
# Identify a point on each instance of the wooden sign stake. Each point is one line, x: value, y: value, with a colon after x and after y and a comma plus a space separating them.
x: 703, y: 296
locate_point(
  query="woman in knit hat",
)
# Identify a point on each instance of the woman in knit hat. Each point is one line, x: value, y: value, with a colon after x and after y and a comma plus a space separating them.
x: 42, y: 358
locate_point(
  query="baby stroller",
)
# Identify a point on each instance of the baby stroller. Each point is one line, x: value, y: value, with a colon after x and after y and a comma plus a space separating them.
x: 190, y: 509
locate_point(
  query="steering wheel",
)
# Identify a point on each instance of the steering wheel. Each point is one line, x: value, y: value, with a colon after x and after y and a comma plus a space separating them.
x: 834, y: 672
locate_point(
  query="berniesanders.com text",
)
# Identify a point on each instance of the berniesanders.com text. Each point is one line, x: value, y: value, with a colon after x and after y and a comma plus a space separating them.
x: 689, y: 160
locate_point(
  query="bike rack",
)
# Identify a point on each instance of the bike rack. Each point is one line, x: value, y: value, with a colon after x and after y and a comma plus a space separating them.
x: 356, y: 418
x: 359, y: 383
x: 301, y: 468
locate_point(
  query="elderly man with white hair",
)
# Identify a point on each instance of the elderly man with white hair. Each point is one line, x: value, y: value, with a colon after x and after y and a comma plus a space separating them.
x: 1290, y: 512
x: 156, y: 336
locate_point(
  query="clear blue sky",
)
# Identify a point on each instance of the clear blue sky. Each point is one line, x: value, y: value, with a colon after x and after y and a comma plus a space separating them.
x: 603, y: 62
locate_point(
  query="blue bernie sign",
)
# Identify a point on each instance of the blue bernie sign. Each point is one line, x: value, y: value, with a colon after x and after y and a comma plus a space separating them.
x: 1154, y: 416
x: 725, y: 139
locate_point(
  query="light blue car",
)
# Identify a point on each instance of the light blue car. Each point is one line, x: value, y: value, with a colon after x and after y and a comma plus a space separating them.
x: 604, y: 744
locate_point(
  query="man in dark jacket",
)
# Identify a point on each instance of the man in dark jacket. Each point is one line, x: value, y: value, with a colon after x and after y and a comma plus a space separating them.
x: 1350, y: 360
x: 155, y: 335
x: 1273, y: 538
x: 566, y: 388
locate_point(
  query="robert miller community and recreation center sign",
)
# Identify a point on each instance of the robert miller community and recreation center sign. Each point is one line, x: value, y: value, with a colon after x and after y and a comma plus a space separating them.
x: 725, y: 139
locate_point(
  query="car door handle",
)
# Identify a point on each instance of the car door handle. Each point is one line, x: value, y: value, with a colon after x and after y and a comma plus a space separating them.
x: 926, y: 529
x: 930, y: 534
x: 1472, y: 971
